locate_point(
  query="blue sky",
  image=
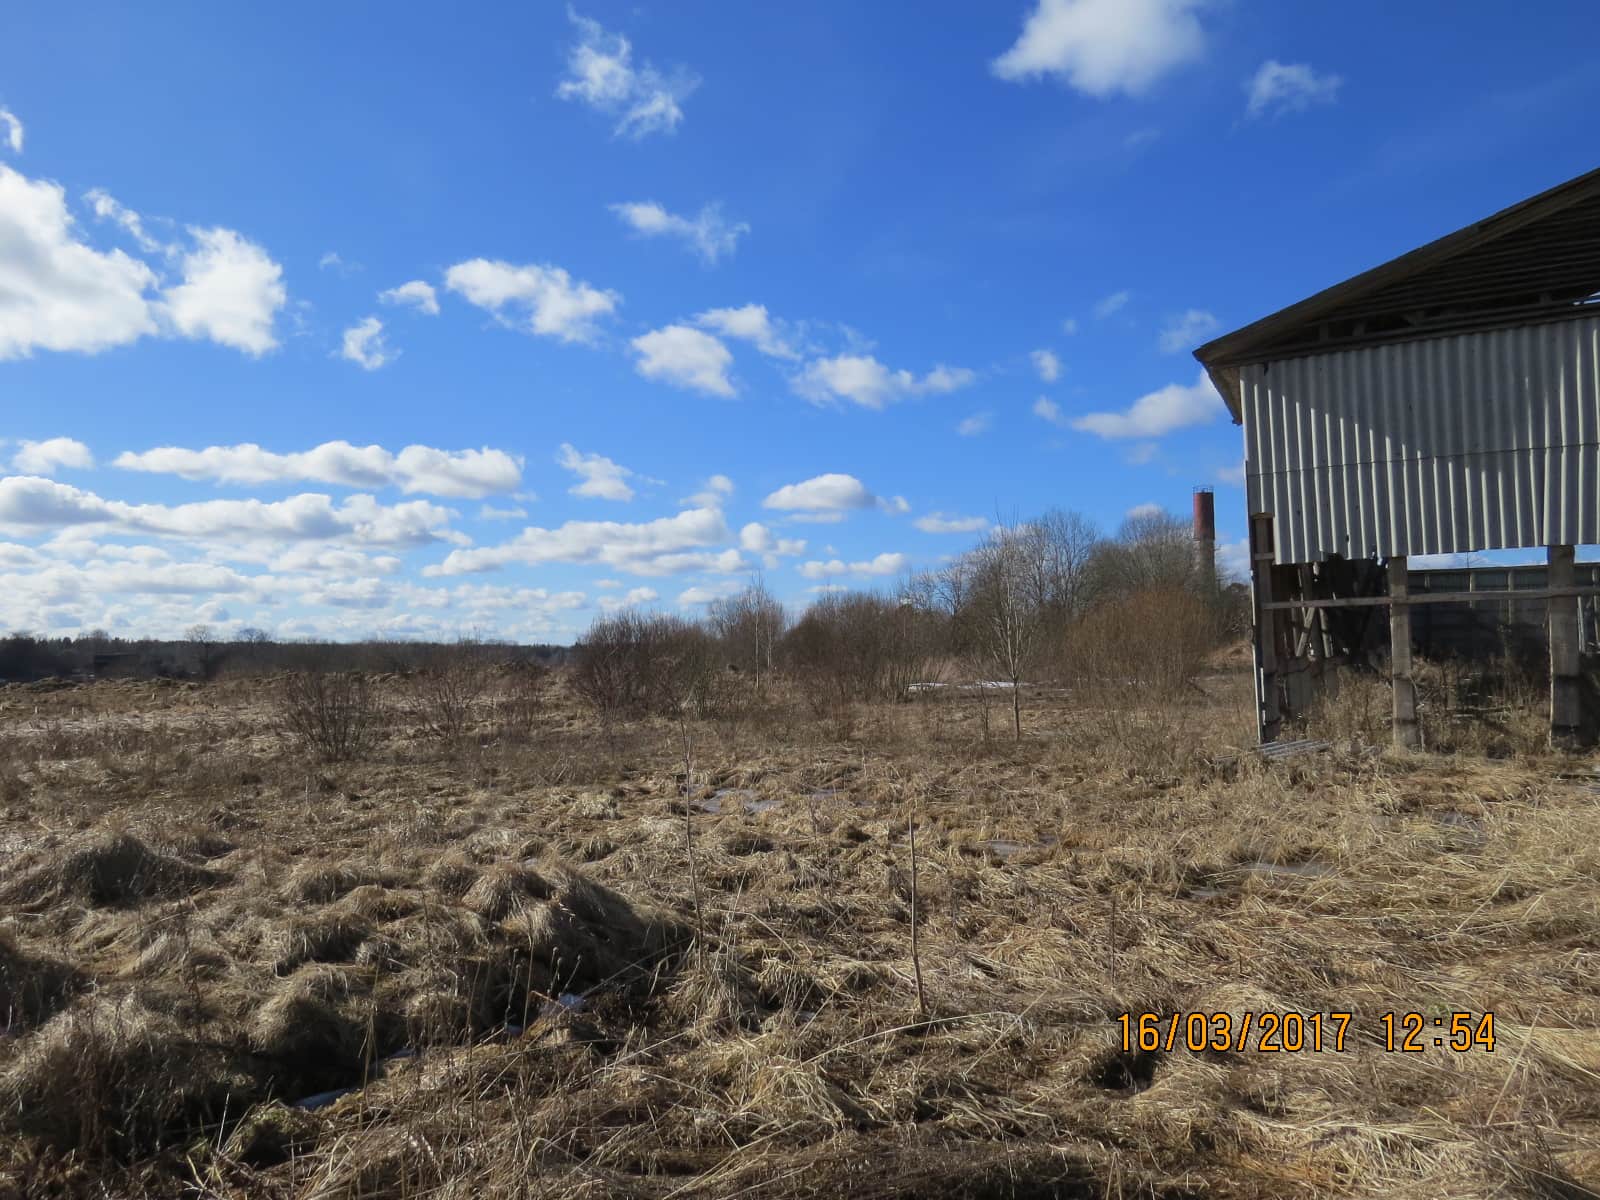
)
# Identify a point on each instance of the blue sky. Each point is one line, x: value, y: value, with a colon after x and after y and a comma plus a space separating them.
x: 337, y: 320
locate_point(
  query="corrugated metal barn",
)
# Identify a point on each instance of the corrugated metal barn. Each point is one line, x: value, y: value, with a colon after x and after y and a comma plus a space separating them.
x: 1443, y: 403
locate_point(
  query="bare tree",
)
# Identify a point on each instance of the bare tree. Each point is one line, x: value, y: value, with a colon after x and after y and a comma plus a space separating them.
x: 749, y: 625
x: 1001, y: 618
x: 205, y: 648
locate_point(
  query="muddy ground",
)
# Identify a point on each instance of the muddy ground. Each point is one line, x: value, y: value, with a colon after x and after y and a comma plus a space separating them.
x: 676, y: 959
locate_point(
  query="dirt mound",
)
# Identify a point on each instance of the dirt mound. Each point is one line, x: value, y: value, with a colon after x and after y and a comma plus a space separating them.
x: 107, y: 871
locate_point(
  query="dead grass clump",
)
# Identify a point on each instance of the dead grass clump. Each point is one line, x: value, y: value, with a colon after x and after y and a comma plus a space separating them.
x: 319, y: 882
x: 111, y: 869
x: 327, y: 937
x: 108, y: 1077
x: 451, y: 874
x: 32, y: 986
x: 311, y: 1030
x: 505, y: 888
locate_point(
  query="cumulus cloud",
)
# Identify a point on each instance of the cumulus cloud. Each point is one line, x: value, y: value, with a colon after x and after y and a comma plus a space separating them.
x: 863, y: 380
x: 1047, y: 409
x: 601, y: 74
x: 685, y: 357
x: 825, y: 497
x: 1108, y: 305
x: 977, y: 423
x: 466, y: 473
x: 1102, y: 47
x: 1175, y: 406
x: 1148, y: 509
x: 758, y: 539
x: 1185, y: 331
x: 30, y: 506
x: 413, y: 294
x: 717, y: 489
x: 632, y: 598
x: 1277, y: 88
x: 364, y: 345
x: 598, y: 477
x: 661, y: 547
x: 1047, y: 364
x: 231, y: 292
x: 751, y: 323
x: 882, y: 564
x: 709, y: 234
x: 536, y: 298
x: 106, y: 208
x: 938, y: 522
x: 11, y: 130
x: 59, y: 293
x: 50, y: 455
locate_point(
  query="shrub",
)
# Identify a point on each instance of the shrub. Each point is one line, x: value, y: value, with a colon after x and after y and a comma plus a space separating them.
x: 332, y: 714
x: 631, y: 663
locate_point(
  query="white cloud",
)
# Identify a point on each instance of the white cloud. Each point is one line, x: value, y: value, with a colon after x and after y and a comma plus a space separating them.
x: 548, y: 299
x: 750, y: 324
x: 863, y: 380
x: 1149, y: 509
x: 106, y: 208
x: 512, y: 513
x: 882, y: 564
x: 12, y: 126
x: 823, y: 494
x: 717, y: 489
x: 331, y: 261
x: 710, y: 234
x: 664, y: 546
x: 705, y: 594
x: 48, y: 456
x: 364, y: 345
x: 895, y: 506
x: 1172, y: 407
x: 977, y: 423
x: 1110, y: 304
x: 466, y: 473
x: 56, y: 293
x: 685, y: 357
x: 1277, y: 88
x: 631, y: 598
x: 1047, y: 364
x: 415, y: 294
x: 600, y: 478
x: 1048, y: 410
x: 601, y: 74
x: 1101, y: 47
x: 1185, y: 331
x: 758, y: 539
x: 938, y: 522
x: 231, y: 292
x: 31, y: 506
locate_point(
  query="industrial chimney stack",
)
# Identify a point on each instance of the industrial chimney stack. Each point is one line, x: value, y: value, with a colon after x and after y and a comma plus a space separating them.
x: 1205, y: 539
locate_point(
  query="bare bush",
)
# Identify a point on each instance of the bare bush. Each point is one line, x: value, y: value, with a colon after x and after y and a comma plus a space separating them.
x: 333, y: 714
x: 1148, y: 644
x: 451, y: 685
x: 632, y: 663
x: 748, y: 627
x: 860, y: 646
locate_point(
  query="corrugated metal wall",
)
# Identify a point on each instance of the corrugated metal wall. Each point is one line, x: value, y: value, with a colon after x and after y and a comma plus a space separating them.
x: 1481, y: 441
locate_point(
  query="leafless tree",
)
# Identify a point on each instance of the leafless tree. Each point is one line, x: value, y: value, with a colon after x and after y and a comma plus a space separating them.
x: 749, y: 625
x: 205, y: 648
x: 1001, y: 620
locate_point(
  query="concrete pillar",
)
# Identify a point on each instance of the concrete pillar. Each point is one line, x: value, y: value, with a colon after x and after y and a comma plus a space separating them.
x: 1565, y: 694
x: 1406, y: 733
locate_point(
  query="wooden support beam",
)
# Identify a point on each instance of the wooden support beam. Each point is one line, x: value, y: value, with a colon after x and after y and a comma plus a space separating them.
x: 1566, y: 698
x: 1406, y: 732
x: 1545, y: 593
x: 1268, y: 720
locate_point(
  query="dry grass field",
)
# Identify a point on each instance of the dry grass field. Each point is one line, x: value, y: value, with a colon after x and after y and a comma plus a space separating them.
x: 559, y: 967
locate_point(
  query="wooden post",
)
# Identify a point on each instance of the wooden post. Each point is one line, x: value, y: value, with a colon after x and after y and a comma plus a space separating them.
x: 1405, y: 691
x: 1565, y: 698
x: 1268, y: 721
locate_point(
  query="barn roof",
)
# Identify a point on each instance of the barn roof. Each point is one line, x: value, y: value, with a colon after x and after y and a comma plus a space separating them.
x: 1538, y: 260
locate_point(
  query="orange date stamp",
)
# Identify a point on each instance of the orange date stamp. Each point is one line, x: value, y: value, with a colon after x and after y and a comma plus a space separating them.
x: 1290, y: 1032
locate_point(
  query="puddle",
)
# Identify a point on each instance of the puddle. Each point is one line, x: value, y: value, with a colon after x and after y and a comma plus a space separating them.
x: 1007, y: 850
x: 748, y: 800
